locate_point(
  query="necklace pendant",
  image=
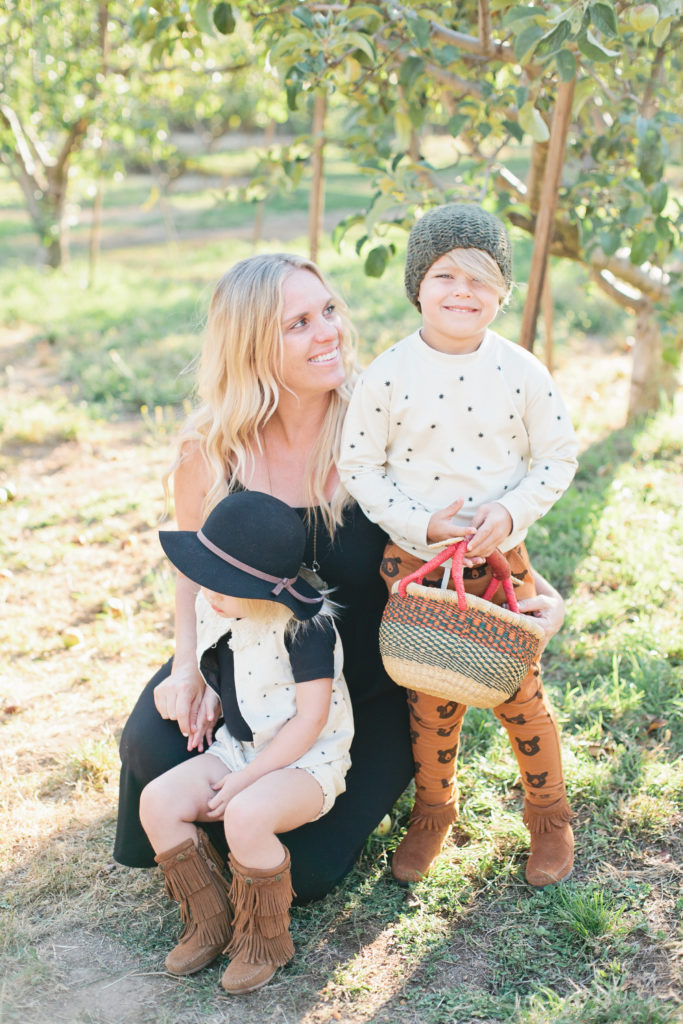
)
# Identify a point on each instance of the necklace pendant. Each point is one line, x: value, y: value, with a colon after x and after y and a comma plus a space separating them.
x: 310, y: 575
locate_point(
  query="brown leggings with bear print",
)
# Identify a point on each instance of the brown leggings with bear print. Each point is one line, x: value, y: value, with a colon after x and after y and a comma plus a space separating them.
x: 436, y: 723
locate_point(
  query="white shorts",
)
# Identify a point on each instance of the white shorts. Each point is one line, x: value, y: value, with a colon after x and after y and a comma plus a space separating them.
x: 329, y: 775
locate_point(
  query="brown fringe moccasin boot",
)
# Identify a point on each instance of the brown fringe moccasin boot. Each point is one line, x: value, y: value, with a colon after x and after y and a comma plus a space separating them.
x: 551, y: 859
x: 428, y: 828
x: 194, y: 879
x: 261, y: 941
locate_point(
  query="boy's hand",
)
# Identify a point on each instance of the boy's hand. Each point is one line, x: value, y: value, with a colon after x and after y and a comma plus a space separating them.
x: 441, y: 525
x: 207, y: 716
x: 493, y: 523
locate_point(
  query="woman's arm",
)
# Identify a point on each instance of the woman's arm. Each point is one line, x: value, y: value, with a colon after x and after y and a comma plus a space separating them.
x: 179, y: 696
x: 547, y: 606
x: 294, y: 738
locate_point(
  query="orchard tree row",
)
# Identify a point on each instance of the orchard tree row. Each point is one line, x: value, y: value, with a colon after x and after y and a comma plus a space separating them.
x: 563, y: 117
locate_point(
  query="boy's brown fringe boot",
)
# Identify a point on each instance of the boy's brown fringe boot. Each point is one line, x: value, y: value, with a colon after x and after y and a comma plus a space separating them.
x: 261, y: 941
x: 551, y: 859
x: 194, y: 878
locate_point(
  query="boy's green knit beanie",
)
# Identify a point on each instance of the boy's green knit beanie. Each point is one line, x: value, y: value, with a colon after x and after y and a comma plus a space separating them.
x: 454, y: 226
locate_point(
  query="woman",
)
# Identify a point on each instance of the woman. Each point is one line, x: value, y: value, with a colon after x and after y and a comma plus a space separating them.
x: 275, y: 377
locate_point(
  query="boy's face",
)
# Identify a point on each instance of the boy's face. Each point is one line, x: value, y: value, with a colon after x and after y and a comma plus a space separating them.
x: 224, y: 604
x: 456, y: 308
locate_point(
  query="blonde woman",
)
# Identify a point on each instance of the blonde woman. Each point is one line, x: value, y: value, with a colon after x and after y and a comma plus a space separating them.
x: 274, y: 380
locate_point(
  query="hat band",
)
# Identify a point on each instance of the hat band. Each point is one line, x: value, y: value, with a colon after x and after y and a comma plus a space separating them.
x: 282, y: 583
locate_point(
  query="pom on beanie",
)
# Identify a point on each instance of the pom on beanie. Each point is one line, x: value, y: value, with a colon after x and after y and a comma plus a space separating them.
x: 454, y: 226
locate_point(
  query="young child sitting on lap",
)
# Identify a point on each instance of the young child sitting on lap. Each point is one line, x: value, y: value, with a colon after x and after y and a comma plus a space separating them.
x: 456, y: 432
x: 269, y: 652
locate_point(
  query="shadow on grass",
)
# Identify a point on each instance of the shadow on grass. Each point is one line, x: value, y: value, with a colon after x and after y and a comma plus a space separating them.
x: 85, y: 935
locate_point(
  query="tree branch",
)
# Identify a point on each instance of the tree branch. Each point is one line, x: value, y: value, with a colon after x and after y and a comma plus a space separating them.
x: 484, y: 26
x: 615, y: 293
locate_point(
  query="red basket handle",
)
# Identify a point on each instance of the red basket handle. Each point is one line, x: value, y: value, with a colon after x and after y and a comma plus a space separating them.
x: 497, y: 563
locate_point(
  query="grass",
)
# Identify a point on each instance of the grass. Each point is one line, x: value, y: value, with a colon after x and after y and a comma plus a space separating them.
x: 86, y: 423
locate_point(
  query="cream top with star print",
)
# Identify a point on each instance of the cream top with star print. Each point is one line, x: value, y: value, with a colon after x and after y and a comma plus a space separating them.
x: 425, y: 428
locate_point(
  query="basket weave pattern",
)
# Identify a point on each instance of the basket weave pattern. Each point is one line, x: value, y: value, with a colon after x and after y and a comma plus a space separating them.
x: 477, y: 654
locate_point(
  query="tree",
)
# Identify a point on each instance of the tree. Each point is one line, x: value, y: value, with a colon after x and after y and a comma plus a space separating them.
x: 73, y: 74
x: 488, y: 75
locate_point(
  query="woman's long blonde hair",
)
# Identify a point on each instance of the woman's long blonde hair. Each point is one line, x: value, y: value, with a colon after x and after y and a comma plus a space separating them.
x: 240, y: 376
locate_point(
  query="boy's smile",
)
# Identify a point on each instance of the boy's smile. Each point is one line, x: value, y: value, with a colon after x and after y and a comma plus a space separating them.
x: 456, y: 308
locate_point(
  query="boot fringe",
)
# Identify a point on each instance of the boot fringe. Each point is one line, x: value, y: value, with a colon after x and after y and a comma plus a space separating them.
x: 256, y: 949
x: 261, y: 904
x: 433, y: 818
x: 547, y: 819
x: 194, y: 879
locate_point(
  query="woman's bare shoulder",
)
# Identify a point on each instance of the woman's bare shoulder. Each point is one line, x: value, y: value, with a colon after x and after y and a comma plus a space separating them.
x: 192, y: 480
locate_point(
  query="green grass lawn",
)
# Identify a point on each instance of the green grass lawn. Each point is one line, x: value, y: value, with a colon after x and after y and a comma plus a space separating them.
x: 92, y: 394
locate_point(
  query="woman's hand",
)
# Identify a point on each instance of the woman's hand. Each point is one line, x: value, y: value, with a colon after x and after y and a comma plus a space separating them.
x: 207, y: 716
x: 548, y: 610
x: 180, y: 695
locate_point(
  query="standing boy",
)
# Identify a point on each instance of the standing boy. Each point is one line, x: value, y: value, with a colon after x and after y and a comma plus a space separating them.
x: 456, y: 432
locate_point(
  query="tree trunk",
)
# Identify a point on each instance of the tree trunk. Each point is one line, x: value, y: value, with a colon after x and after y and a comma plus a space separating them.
x: 317, y: 200
x: 651, y: 377
x: 546, y: 214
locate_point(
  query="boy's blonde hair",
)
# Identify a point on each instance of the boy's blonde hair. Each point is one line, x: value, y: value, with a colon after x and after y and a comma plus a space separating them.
x: 477, y: 263
x: 240, y: 375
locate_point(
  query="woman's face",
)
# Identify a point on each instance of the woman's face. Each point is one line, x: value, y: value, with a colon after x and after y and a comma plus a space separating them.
x: 311, y: 332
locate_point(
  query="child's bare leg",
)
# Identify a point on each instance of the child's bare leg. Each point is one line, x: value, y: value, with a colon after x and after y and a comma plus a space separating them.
x: 261, y: 890
x: 276, y: 803
x: 171, y: 803
x: 169, y: 806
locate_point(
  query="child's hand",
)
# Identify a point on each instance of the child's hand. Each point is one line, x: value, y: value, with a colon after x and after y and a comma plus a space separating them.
x: 493, y: 523
x: 228, y: 787
x: 207, y: 716
x: 441, y: 526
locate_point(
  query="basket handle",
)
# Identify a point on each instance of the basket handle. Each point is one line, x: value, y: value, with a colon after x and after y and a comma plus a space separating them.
x: 496, y: 561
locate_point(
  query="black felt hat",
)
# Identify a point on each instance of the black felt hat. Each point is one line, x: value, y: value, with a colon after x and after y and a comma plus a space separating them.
x: 250, y: 546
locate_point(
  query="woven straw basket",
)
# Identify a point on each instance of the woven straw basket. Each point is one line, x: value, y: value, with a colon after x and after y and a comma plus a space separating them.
x: 451, y: 644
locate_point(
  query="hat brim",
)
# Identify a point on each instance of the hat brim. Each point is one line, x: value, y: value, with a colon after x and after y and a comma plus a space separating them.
x: 202, y: 566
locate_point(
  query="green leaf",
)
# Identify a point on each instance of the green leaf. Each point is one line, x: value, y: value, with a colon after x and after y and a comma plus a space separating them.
x: 663, y: 229
x: 584, y: 89
x: 419, y: 28
x: 650, y: 158
x: 592, y: 48
x: 604, y: 18
x: 202, y: 16
x: 525, y: 42
x: 411, y: 68
x: 566, y: 65
x: 360, y: 243
x: 303, y: 15
x: 609, y: 241
x: 533, y: 124
x: 362, y: 43
x: 553, y: 40
x: 658, y: 197
x: 633, y: 215
x: 514, y: 129
x: 292, y: 90
x: 224, y: 19
x: 521, y: 13
x: 457, y: 123
x: 376, y: 261
x: 642, y: 247
x: 660, y: 33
